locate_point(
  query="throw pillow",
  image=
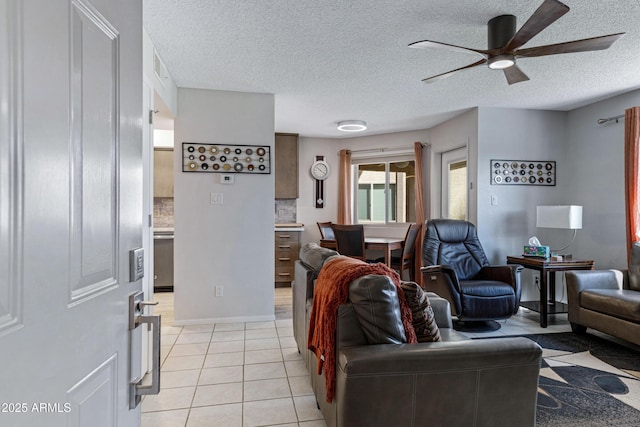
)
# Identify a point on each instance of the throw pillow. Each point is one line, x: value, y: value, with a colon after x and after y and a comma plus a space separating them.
x: 424, y: 321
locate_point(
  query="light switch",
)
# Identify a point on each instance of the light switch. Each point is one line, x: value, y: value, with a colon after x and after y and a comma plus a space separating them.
x: 494, y: 200
x: 217, y: 198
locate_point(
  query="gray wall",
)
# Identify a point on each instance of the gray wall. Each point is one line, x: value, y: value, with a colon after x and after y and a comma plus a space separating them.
x: 596, y: 179
x: 229, y: 244
x: 461, y: 131
x: 512, y: 134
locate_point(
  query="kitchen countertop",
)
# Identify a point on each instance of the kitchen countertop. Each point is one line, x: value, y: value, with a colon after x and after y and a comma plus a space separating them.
x: 289, y: 227
x: 162, y: 230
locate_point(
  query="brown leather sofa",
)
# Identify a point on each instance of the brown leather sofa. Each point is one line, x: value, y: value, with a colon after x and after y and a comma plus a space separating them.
x: 454, y: 382
x: 598, y: 300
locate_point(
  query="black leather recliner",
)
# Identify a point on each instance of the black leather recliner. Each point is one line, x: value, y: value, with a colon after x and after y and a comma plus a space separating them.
x: 457, y: 269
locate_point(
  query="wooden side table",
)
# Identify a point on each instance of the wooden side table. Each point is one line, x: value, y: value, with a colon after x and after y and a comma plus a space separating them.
x: 547, y: 303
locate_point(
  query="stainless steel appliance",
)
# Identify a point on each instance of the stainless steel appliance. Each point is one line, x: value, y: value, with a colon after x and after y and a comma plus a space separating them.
x: 163, y: 260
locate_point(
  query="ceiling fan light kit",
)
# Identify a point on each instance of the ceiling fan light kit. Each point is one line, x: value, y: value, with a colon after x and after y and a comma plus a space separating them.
x: 500, y: 62
x: 504, y: 43
x: 352, y: 126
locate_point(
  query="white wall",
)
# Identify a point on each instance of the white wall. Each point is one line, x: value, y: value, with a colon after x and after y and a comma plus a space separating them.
x: 596, y: 179
x: 310, y: 147
x: 230, y: 244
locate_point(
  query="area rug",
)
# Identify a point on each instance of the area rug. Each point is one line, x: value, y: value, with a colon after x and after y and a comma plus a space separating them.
x: 586, y: 380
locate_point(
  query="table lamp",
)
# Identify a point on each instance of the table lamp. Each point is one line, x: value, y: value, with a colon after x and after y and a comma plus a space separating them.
x: 567, y: 217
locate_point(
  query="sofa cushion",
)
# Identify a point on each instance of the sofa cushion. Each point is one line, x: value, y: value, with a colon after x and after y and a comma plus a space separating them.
x: 424, y: 321
x: 375, y: 301
x: 314, y: 256
x: 624, y: 304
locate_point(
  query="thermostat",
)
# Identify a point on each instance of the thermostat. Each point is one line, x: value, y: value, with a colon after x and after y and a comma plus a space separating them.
x: 227, y: 178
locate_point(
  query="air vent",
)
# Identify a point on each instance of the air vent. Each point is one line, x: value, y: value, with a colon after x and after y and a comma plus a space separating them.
x: 159, y: 68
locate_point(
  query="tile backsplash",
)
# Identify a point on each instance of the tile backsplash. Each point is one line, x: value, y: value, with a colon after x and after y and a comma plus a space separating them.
x: 285, y: 211
x: 163, y: 212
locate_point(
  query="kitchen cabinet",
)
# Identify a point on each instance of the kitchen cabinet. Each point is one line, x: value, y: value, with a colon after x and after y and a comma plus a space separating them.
x: 286, y: 165
x: 163, y: 172
x: 287, y: 249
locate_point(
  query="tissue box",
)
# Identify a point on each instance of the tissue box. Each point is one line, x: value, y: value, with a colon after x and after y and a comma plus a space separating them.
x: 537, y: 251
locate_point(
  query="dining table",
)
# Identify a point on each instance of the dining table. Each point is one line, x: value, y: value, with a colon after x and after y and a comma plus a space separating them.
x: 384, y: 244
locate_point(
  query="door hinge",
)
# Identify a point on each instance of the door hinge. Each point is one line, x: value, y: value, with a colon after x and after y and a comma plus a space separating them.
x: 151, y: 113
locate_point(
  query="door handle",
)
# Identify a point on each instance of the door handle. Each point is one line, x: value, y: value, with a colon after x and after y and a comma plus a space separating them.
x: 137, y: 318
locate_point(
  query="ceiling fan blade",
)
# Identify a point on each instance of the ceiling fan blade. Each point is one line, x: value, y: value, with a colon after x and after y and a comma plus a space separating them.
x: 449, y: 73
x: 548, y: 12
x: 429, y: 44
x: 515, y: 75
x: 584, y: 45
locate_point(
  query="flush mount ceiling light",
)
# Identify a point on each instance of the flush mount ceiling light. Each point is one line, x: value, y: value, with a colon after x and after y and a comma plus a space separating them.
x: 352, y: 125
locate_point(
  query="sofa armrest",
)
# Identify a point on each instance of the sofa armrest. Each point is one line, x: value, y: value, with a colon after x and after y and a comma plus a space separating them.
x: 475, y: 382
x: 432, y: 357
x: 578, y: 281
x: 441, y: 310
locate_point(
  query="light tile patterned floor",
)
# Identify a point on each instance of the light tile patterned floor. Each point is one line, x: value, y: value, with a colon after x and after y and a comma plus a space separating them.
x: 231, y: 374
x: 250, y: 374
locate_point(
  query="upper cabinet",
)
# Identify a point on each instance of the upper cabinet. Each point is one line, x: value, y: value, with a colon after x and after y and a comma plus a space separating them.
x: 286, y: 165
x: 163, y: 172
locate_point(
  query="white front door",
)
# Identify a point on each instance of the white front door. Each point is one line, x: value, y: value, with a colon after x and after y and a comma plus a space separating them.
x: 70, y: 210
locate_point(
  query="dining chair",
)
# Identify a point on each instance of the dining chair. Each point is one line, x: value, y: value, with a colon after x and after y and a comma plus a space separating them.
x: 327, y: 238
x: 350, y: 240
x: 406, y: 259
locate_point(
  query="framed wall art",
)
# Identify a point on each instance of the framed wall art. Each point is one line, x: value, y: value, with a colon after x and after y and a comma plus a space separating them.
x: 226, y: 158
x: 523, y: 172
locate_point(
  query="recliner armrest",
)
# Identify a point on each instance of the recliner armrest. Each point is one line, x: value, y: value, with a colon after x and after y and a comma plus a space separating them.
x: 501, y: 273
x: 442, y: 280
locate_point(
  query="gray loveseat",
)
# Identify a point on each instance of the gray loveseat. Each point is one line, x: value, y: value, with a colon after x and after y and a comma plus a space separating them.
x: 454, y: 382
x: 600, y: 300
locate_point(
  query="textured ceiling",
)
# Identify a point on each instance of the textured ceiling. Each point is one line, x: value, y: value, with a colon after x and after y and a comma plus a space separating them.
x: 331, y: 60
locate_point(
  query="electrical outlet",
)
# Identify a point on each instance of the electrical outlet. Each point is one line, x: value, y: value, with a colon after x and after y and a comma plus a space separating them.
x: 219, y: 290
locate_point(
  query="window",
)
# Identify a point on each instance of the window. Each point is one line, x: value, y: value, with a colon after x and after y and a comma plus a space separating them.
x: 385, y: 192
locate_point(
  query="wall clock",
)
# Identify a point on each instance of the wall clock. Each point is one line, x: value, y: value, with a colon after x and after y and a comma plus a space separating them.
x: 319, y: 171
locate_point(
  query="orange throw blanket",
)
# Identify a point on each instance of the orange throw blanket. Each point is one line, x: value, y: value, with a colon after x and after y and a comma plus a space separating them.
x: 332, y: 290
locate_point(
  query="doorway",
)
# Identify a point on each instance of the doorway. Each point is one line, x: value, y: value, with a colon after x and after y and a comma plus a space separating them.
x: 162, y: 199
x: 454, y: 184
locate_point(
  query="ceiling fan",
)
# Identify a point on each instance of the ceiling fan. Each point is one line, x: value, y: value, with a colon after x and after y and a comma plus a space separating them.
x: 504, y: 43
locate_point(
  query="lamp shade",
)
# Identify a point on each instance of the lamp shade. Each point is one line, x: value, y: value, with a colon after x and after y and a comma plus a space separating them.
x: 569, y: 217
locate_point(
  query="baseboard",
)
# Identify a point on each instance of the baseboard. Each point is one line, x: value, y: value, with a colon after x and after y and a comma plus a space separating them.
x: 191, y: 322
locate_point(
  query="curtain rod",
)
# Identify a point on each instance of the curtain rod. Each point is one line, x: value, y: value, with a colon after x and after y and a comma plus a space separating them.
x: 616, y: 118
x: 383, y: 149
